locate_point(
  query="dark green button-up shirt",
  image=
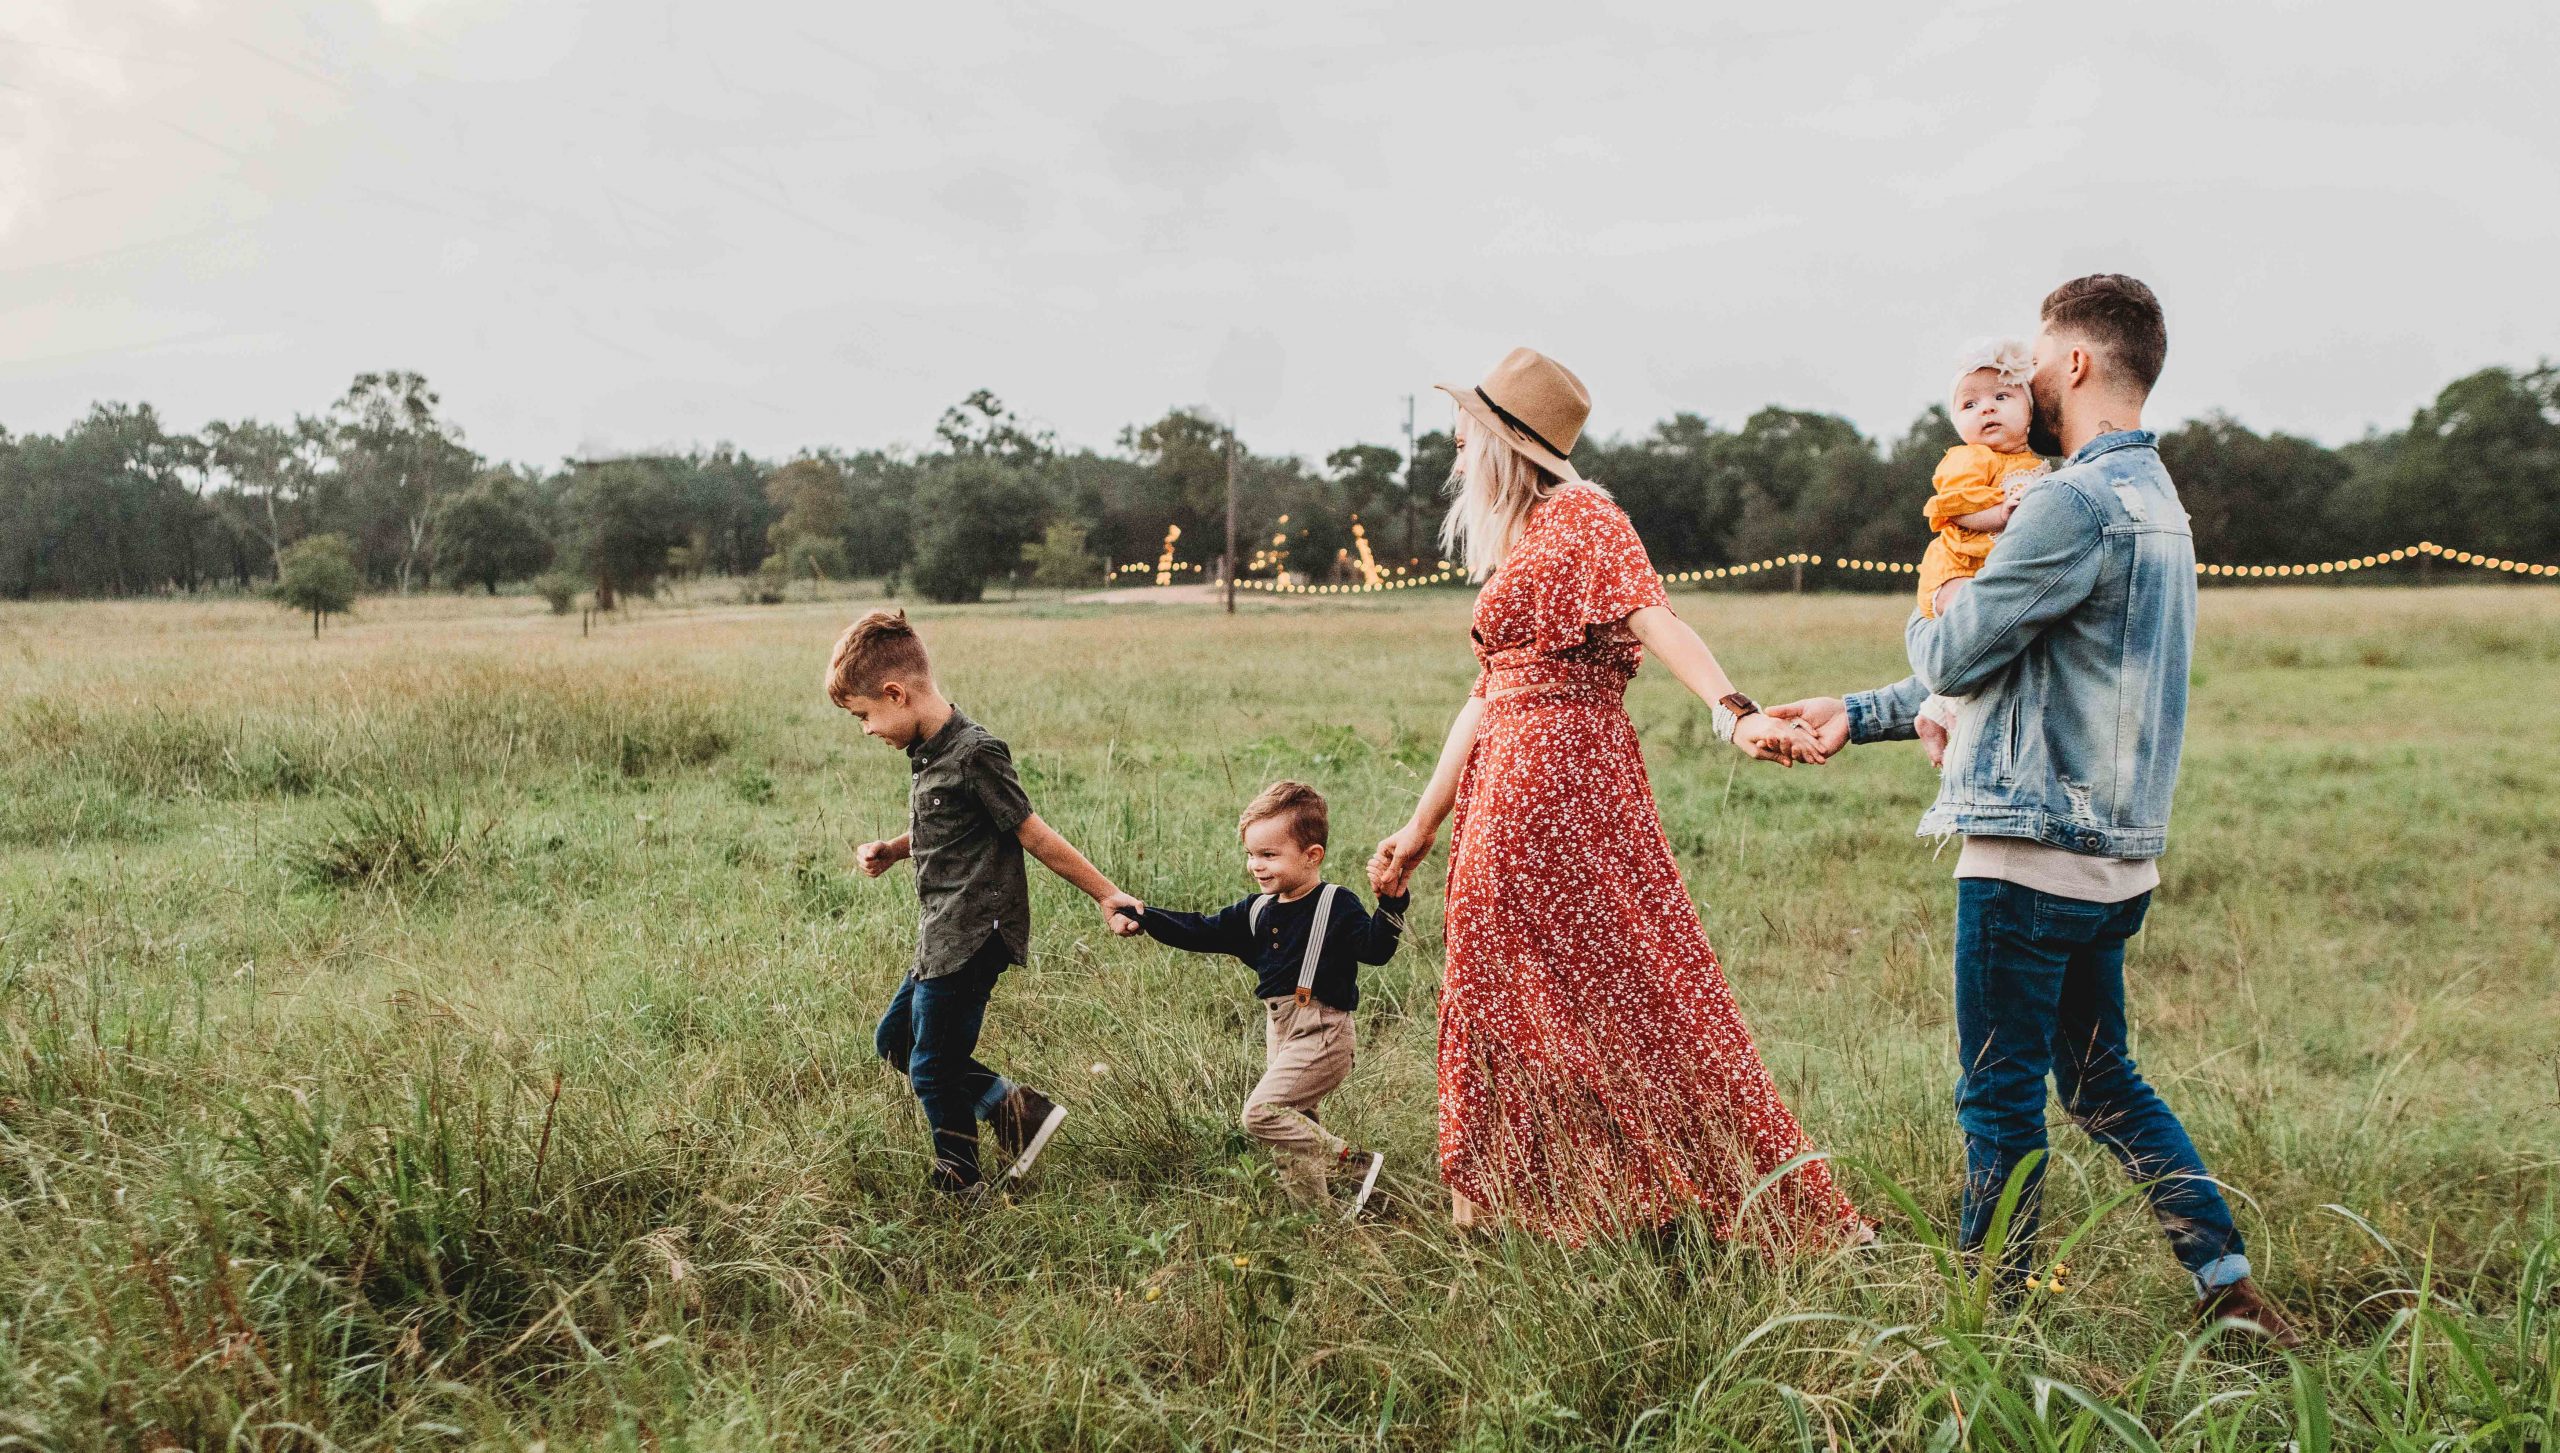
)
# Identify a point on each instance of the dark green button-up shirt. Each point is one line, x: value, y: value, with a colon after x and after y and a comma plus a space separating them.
x: 964, y: 808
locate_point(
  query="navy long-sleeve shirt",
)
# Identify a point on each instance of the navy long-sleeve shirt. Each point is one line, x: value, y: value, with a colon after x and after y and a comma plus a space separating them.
x: 1277, y: 948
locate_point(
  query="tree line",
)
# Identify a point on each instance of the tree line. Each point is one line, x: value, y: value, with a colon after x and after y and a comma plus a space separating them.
x: 383, y: 485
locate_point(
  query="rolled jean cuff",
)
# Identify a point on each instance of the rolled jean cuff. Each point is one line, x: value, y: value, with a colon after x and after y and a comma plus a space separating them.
x: 2220, y: 1272
x: 1002, y: 1087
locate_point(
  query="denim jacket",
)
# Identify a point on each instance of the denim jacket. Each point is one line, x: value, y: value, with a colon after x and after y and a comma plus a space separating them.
x: 2071, y: 650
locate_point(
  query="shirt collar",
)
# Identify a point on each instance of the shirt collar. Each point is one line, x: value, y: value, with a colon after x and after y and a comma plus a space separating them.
x: 2110, y: 443
x: 921, y: 754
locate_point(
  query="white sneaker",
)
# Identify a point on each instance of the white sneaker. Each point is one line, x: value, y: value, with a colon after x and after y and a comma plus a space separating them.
x: 1023, y: 1125
x: 1368, y: 1179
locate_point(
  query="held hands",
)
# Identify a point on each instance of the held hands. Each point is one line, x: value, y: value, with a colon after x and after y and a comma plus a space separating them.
x: 1826, y: 718
x: 1772, y: 738
x: 1391, y: 867
x: 1125, y: 924
x: 877, y: 858
x: 1933, y: 737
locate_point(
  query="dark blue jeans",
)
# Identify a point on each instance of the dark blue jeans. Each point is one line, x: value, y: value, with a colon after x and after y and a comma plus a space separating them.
x: 2040, y: 990
x: 930, y: 1035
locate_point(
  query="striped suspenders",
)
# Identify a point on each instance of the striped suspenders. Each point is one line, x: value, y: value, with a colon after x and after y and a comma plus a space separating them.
x: 1315, y: 936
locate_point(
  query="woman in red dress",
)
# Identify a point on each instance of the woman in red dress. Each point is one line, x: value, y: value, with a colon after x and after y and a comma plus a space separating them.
x: 1595, y: 1076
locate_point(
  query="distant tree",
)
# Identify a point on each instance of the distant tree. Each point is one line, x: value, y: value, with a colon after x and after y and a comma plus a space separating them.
x: 2254, y: 498
x: 1059, y: 560
x: 2478, y: 469
x: 106, y: 509
x: 1774, y: 462
x: 816, y: 511
x: 880, y: 492
x: 725, y: 509
x: 1856, y: 504
x: 1673, y: 486
x: 1926, y: 442
x: 975, y: 515
x: 1184, y: 459
x: 1899, y: 528
x: 490, y: 533
x: 263, y: 480
x: 981, y: 427
x: 627, y: 515
x: 1316, y: 510
x: 398, y: 457
x: 1366, y: 475
x: 319, y: 575
x: 1426, y: 480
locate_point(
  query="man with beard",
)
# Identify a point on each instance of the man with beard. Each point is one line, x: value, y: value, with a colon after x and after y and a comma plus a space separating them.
x: 2072, y: 646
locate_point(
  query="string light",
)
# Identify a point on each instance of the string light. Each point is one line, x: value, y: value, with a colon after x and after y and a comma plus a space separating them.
x: 1448, y: 571
x: 2383, y: 557
x: 1369, y: 573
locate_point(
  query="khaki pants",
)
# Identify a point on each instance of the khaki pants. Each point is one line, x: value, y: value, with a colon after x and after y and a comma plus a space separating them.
x: 1307, y: 1052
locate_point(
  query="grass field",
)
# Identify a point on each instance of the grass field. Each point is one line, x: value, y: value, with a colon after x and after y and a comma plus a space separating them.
x: 455, y: 1032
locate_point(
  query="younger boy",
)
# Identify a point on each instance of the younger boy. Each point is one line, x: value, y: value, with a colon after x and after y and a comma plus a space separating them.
x: 969, y: 824
x: 1305, y: 939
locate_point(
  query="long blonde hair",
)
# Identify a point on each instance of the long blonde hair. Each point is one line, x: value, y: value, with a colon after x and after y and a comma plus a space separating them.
x: 1493, y: 487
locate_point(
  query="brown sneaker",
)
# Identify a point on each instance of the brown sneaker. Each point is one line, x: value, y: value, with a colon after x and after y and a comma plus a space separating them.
x: 2257, y: 1312
x: 1023, y: 1122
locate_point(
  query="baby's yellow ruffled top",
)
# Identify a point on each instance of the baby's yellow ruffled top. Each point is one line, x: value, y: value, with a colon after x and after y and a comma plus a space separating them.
x: 1971, y: 478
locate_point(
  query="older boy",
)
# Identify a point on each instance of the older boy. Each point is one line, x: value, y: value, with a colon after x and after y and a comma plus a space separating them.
x: 969, y: 826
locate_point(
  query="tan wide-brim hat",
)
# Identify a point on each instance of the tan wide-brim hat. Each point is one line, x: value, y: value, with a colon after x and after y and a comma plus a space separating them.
x: 1534, y: 403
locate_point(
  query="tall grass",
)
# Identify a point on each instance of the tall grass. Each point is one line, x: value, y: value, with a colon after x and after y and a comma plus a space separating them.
x: 495, y: 1083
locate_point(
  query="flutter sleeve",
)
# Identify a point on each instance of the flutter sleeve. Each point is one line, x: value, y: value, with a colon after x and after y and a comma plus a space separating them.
x: 1968, y: 479
x: 1596, y: 574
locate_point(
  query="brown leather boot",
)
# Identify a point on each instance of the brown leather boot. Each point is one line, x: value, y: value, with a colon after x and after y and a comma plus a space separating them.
x: 2243, y: 1302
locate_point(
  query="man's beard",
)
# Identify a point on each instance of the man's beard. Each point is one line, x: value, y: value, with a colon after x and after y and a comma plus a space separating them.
x: 2044, y: 423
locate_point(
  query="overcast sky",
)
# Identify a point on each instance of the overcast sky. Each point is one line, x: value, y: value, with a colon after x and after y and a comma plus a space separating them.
x: 788, y: 223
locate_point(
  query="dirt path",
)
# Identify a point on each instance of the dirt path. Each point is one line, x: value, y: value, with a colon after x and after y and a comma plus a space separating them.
x: 1201, y: 594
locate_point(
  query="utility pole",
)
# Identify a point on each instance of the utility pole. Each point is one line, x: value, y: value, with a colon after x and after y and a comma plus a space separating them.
x: 1409, y: 472
x: 1231, y: 517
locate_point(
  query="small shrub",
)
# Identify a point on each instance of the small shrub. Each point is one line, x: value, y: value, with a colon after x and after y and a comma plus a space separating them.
x: 768, y: 586
x: 558, y: 589
x: 392, y: 840
x: 318, y: 575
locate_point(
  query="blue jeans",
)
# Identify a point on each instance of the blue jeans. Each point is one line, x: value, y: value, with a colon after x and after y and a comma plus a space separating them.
x: 930, y: 1034
x: 2040, y: 989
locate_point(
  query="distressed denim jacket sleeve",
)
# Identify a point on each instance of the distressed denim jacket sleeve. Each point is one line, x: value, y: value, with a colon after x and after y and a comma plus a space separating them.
x: 1886, y: 714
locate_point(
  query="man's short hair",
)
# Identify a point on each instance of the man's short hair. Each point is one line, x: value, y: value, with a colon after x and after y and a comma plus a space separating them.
x: 2120, y: 316
x: 1301, y: 804
x: 874, y: 651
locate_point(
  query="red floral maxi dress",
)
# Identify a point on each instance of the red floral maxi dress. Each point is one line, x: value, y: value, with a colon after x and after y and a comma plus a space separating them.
x: 1595, y: 1075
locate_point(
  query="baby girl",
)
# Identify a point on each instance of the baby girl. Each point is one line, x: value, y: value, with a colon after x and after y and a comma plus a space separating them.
x: 1979, y: 481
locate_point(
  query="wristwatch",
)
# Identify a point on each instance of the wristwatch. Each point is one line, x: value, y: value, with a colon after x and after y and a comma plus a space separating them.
x: 1729, y: 713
